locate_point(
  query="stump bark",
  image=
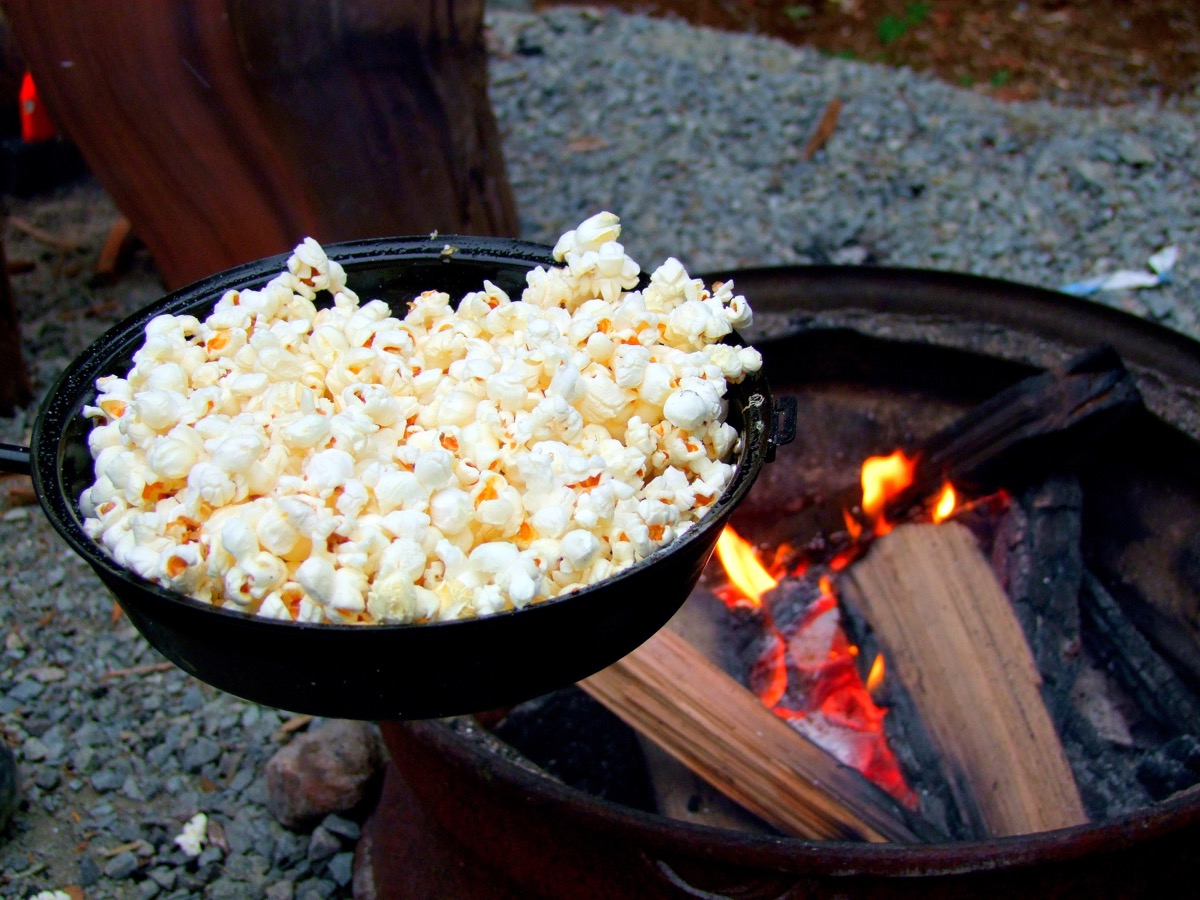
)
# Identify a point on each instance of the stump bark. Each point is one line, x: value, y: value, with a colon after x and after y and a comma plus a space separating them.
x: 227, y: 131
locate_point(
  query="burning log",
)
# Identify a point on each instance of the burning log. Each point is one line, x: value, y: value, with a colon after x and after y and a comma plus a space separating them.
x: 1022, y: 430
x: 952, y: 637
x: 670, y: 693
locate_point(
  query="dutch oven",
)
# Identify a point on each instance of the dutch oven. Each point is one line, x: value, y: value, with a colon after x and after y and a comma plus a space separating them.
x: 380, y: 671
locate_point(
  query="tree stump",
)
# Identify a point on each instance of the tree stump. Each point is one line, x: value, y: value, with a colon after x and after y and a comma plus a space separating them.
x: 15, y: 389
x: 227, y: 131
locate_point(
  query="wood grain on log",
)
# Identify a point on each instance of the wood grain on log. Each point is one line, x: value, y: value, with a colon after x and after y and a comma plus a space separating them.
x: 950, y: 634
x: 670, y: 693
x: 228, y: 131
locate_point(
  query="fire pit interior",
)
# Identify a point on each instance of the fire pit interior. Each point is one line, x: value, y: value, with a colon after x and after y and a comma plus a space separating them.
x: 1093, y: 546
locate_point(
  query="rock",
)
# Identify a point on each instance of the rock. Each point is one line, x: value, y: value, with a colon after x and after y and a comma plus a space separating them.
x: 281, y: 890
x: 342, y: 827
x: 341, y: 868
x: 323, y: 844
x: 200, y: 753
x: 89, y: 872
x: 122, y: 865
x: 331, y: 769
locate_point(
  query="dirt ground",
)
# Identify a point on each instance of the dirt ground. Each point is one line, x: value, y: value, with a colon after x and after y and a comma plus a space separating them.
x: 1070, y: 51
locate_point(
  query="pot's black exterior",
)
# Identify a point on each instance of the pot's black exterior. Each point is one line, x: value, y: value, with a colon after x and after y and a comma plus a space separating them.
x: 390, y: 671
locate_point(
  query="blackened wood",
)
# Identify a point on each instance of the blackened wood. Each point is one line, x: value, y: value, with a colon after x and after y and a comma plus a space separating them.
x: 1037, y: 555
x: 1173, y: 767
x: 1007, y: 441
x: 945, y: 798
x: 1118, y: 645
x: 950, y: 635
x: 227, y: 131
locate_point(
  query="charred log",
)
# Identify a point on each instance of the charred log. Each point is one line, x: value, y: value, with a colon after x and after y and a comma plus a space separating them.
x: 1010, y: 441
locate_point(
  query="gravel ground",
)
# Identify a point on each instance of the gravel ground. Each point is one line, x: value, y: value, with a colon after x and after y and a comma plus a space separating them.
x: 695, y: 138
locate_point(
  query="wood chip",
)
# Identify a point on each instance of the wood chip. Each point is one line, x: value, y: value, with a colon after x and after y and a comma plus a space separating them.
x: 144, y: 669
x: 43, y: 236
x: 295, y: 723
x: 825, y: 128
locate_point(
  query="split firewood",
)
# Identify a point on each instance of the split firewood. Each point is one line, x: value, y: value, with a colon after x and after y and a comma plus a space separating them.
x: 951, y: 636
x: 667, y: 691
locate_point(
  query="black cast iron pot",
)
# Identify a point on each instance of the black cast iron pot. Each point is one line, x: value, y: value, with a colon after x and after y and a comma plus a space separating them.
x: 384, y: 671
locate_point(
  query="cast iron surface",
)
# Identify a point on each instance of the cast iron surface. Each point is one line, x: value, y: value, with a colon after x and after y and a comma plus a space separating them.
x: 390, y: 671
x: 470, y: 798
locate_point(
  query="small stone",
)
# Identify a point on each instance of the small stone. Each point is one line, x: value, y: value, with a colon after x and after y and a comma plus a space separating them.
x: 34, y: 750
x: 48, y: 674
x: 323, y: 844
x: 27, y: 690
x: 1135, y: 151
x: 89, y: 872
x: 199, y: 753
x: 341, y: 868
x: 122, y: 865
x: 329, y: 769
x: 164, y: 877
x: 209, y: 856
x: 342, y: 827
x: 147, y: 890
x: 107, y: 780
x: 280, y: 890
x: 47, y: 778
x: 315, y: 889
x: 226, y: 889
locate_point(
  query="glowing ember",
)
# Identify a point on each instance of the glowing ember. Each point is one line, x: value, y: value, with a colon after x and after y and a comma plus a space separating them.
x: 883, y: 477
x: 807, y: 673
x: 745, y: 572
x: 946, y: 503
x: 875, y: 676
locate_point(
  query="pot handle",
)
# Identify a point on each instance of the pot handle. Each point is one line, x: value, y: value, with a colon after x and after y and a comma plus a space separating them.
x: 15, y: 459
x: 783, y: 424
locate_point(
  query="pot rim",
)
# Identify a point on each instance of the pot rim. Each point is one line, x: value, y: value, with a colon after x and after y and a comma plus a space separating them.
x: 76, y: 384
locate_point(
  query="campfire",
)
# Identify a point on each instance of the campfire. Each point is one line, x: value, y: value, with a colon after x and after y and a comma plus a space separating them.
x: 927, y: 566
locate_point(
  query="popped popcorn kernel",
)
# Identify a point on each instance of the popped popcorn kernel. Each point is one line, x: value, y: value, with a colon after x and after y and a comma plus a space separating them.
x: 303, y: 456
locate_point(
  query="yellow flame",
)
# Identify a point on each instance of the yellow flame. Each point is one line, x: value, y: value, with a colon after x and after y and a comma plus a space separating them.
x: 745, y: 572
x: 882, y: 478
x: 875, y: 676
x: 946, y: 504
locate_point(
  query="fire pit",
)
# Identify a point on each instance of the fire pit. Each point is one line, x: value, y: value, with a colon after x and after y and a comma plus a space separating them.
x: 877, y: 359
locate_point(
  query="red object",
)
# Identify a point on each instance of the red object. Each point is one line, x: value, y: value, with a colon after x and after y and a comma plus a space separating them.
x: 35, y: 123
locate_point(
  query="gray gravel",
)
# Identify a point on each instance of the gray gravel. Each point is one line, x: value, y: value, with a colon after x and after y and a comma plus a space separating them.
x: 695, y: 139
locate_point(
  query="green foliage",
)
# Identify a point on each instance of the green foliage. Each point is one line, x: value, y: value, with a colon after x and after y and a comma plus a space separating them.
x: 797, y: 12
x: 891, y: 28
x: 1000, y: 78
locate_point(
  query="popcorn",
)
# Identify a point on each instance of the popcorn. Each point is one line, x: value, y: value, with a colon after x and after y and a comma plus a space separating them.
x: 304, y: 456
x: 194, y: 836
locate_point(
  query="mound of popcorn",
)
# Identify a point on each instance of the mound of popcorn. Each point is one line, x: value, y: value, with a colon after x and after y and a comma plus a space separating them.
x: 342, y: 465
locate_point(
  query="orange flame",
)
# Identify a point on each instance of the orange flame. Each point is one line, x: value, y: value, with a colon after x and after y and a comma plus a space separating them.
x: 883, y: 477
x: 947, y: 502
x: 875, y: 676
x: 741, y: 564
